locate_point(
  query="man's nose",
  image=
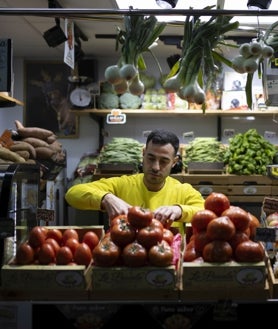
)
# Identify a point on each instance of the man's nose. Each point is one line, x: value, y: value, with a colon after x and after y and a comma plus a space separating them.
x: 155, y: 165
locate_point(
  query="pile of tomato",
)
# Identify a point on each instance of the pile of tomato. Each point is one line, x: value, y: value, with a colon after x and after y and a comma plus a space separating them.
x: 222, y: 232
x: 134, y: 240
x: 50, y: 246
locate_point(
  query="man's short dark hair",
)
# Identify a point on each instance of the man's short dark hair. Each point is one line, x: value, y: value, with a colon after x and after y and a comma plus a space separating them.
x: 162, y: 137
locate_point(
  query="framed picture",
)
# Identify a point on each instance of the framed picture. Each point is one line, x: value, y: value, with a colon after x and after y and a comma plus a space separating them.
x: 46, y: 96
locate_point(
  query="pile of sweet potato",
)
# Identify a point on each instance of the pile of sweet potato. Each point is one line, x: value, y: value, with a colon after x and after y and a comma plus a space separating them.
x: 30, y: 144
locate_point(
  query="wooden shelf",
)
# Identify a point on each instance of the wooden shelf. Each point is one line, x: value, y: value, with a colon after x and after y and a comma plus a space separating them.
x: 168, y: 113
x: 6, y: 100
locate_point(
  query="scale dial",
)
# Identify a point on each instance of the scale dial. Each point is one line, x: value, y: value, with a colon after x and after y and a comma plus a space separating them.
x: 80, y: 97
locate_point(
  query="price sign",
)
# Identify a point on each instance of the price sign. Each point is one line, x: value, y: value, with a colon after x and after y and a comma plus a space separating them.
x: 270, y: 205
x: 46, y: 215
x: 116, y: 117
x: 266, y: 234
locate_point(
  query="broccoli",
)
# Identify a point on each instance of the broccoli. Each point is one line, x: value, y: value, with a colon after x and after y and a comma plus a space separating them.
x: 129, y: 101
x: 108, y: 101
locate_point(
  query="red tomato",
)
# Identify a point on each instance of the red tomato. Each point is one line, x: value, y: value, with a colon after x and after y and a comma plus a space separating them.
x: 122, y: 233
x: 139, y: 217
x: 221, y: 228
x: 36, y: 237
x: 161, y: 254
x: 249, y: 251
x: 217, y: 202
x: 238, y: 216
x: 72, y: 243
x: 83, y: 254
x: 64, y: 256
x: 168, y: 236
x: 201, y: 219
x: 157, y: 223
x: 46, y: 254
x: 134, y: 255
x: 200, y: 240
x: 149, y: 236
x: 56, y: 234
x: 25, y: 254
x: 217, y: 251
x: 237, y: 238
x: 106, y: 253
x: 118, y: 219
x: 70, y: 233
x: 253, y: 224
x: 91, y: 238
x: 190, y: 253
x: 53, y: 243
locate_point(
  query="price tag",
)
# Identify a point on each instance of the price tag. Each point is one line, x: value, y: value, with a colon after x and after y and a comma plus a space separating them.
x: 266, y: 234
x: 188, y: 136
x: 116, y: 117
x: 270, y: 205
x: 229, y: 133
x: 46, y: 215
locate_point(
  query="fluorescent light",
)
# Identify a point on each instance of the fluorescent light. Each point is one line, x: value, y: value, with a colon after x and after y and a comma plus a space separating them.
x: 200, y: 4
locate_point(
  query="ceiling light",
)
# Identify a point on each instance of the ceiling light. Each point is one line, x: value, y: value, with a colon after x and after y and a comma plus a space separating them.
x: 167, y: 4
x: 55, y: 36
x: 258, y: 4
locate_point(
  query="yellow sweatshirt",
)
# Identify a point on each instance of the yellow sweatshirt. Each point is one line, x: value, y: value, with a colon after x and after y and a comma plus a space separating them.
x: 130, y: 188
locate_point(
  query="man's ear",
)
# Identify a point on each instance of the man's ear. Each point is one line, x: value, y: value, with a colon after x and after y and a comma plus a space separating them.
x: 144, y: 150
x: 176, y: 159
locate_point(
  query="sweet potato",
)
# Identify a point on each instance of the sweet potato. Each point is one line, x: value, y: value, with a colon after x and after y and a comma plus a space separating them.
x: 56, y: 146
x: 9, y: 155
x: 35, y: 142
x: 44, y: 152
x: 24, y: 154
x: 23, y: 146
x: 32, y: 131
x: 51, y: 139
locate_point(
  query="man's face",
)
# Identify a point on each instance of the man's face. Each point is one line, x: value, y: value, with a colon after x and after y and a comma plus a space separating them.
x: 158, y: 161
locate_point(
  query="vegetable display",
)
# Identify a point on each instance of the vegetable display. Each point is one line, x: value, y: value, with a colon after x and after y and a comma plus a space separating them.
x: 122, y: 150
x: 137, y: 37
x: 197, y: 68
x: 137, y: 239
x: 204, y: 149
x: 250, y: 59
x: 55, y: 246
x: 224, y: 236
x: 249, y: 153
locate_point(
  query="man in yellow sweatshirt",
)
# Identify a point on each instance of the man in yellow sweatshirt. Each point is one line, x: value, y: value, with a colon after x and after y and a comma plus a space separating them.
x: 171, y: 201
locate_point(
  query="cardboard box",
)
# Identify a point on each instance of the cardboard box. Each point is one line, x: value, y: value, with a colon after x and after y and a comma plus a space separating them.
x: 48, y: 282
x: 230, y: 280
x: 122, y: 283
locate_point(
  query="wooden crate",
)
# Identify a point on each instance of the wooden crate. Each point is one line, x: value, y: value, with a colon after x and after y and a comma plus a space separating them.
x: 273, y: 281
x: 228, y: 281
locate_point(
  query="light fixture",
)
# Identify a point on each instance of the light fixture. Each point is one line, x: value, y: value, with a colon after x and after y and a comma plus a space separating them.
x: 55, y: 36
x: 167, y: 4
x: 258, y: 4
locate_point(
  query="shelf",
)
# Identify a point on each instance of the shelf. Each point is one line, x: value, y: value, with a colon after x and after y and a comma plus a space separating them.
x: 168, y: 113
x: 7, y: 101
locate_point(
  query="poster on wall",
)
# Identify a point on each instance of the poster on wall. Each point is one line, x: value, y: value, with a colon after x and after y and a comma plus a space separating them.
x: 47, y: 103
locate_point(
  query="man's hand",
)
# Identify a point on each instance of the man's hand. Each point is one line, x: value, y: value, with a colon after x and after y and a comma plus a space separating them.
x: 114, y: 206
x: 168, y: 214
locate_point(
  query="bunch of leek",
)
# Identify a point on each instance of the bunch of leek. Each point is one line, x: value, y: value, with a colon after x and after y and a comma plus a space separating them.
x: 200, y: 54
x: 138, y: 36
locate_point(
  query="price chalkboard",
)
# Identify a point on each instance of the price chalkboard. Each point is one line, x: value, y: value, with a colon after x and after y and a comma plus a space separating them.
x: 266, y: 234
